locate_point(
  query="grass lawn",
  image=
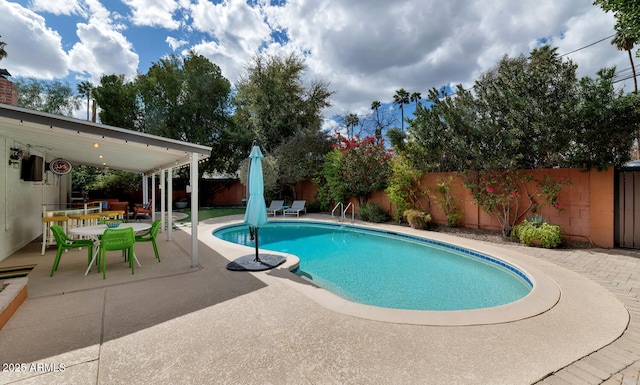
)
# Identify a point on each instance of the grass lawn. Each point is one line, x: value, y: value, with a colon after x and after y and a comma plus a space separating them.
x: 212, y: 212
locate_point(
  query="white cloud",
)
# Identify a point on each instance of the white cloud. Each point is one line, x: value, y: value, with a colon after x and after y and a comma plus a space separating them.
x: 365, y: 49
x: 102, y: 52
x: 583, y: 30
x: 235, y: 31
x: 153, y: 13
x: 175, y: 43
x: 33, y: 50
x: 67, y: 7
x: 369, y: 49
x: 102, y: 48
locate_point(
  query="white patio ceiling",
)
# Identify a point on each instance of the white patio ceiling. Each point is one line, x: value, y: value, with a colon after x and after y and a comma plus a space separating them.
x: 92, y: 144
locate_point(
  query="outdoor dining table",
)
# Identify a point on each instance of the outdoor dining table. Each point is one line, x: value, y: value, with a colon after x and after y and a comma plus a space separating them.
x: 94, y: 233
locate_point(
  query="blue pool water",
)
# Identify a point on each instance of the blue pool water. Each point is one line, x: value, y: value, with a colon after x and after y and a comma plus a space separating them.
x: 389, y: 270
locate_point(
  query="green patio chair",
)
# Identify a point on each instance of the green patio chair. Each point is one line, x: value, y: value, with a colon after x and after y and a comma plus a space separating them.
x: 66, y: 243
x: 116, y: 239
x: 150, y: 236
x: 104, y: 221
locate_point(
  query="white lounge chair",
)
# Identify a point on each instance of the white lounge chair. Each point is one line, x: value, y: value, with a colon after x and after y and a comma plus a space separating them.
x: 296, y: 208
x: 274, y: 207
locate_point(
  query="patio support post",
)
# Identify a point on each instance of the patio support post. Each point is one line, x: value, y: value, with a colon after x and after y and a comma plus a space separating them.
x: 145, y: 188
x: 163, y: 197
x: 153, y: 197
x: 194, y: 209
x: 170, y: 203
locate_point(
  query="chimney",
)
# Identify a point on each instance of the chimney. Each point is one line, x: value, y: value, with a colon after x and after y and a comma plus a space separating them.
x: 8, y: 90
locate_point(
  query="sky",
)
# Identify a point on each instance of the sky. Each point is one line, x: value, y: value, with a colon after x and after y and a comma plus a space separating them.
x: 364, y: 50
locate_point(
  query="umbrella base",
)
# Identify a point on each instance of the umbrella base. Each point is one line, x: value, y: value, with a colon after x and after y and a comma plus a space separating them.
x: 248, y: 263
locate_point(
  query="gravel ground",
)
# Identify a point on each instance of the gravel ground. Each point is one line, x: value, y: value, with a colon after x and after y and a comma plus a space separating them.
x: 496, y: 236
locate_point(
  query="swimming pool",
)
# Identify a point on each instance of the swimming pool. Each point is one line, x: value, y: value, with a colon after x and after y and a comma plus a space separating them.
x: 390, y: 270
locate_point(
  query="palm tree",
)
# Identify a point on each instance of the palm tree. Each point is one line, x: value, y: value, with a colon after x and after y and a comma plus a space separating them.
x: 400, y: 99
x: 375, y: 105
x: 3, y: 53
x: 86, y: 89
x: 351, y: 121
x: 624, y: 42
x: 415, y: 97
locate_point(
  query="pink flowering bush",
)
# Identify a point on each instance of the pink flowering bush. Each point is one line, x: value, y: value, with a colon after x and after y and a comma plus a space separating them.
x: 359, y: 168
x: 509, y: 196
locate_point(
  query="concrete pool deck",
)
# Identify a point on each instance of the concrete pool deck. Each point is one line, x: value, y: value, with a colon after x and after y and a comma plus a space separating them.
x: 170, y: 323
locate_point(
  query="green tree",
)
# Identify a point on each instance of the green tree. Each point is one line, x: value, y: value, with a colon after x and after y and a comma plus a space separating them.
x: 624, y: 42
x: 186, y: 99
x: 53, y: 97
x: 401, y: 98
x: 443, y: 137
x: 415, y: 97
x: 189, y: 99
x: 606, y: 125
x: 273, y: 103
x: 331, y: 186
x: 118, y: 102
x: 375, y: 105
x: 3, y: 52
x: 626, y: 13
x: 351, y: 121
x: 525, y: 113
x: 526, y: 109
x: 98, y: 183
x: 85, y: 89
x: 299, y: 158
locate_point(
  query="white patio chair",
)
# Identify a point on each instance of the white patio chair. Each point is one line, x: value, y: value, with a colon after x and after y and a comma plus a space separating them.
x: 296, y: 208
x: 274, y: 207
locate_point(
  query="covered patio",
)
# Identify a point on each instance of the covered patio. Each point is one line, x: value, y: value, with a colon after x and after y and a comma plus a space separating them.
x: 84, y: 143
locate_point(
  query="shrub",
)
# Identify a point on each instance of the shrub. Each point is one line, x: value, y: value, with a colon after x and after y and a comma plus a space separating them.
x: 372, y: 212
x: 315, y: 207
x: 447, y: 202
x: 549, y: 236
x: 405, y: 189
x: 418, y: 219
x: 536, y: 220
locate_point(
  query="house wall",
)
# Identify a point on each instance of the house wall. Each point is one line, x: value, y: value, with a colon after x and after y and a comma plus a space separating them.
x: 21, y: 202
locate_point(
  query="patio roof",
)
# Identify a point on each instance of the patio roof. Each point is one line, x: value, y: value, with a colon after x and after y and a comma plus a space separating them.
x: 93, y: 144
x: 86, y: 143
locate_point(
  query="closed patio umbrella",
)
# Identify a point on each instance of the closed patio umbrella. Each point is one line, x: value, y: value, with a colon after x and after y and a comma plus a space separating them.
x: 256, y: 216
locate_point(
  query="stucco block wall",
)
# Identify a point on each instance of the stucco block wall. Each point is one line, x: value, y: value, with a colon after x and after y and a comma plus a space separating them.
x: 586, y: 211
x: 601, y: 209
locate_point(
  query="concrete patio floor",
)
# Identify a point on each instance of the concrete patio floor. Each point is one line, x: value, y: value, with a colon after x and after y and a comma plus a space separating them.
x: 171, y: 323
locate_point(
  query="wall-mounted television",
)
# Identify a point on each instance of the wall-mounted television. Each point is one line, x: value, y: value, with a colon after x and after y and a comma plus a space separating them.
x: 32, y: 169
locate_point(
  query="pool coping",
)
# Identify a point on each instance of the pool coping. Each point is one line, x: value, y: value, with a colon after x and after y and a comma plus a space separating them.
x: 544, y: 296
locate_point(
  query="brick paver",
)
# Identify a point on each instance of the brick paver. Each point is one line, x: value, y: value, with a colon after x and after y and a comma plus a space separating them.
x: 619, y: 272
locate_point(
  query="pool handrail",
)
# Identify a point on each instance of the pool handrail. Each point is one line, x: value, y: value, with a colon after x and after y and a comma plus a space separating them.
x: 334, y: 210
x: 343, y: 211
